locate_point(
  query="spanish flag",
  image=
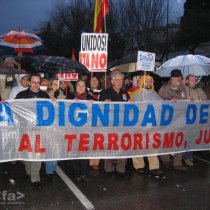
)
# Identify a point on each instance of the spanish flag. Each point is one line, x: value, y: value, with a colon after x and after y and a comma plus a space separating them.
x: 101, y: 10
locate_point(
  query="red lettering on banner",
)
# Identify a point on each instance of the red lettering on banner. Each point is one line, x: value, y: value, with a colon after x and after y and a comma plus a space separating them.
x: 137, y: 141
x: 198, y: 140
x: 112, y: 141
x: 94, y: 60
x: 126, y: 136
x: 70, y: 139
x: 157, y: 140
x: 25, y: 144
x: 38, y: 148
x: 98, y: 141
x: 204, y: 135
x: 147, y: 141
x: 84, y: 140
x: 179, y: 139
x: 103, y: 61
x: 87, y: 63
x: 94, y: 63
x: 168, y: 140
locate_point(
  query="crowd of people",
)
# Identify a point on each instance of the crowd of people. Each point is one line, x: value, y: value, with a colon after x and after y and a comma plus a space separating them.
x: 117, y: 88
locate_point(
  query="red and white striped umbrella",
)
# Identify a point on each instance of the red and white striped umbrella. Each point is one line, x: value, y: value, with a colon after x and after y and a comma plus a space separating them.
x: 20, y: 42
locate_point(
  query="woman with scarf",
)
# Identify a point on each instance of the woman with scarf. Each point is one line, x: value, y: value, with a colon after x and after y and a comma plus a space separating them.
x: 81, y: 166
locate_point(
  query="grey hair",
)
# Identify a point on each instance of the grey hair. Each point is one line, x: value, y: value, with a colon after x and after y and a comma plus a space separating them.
x: 116, y: 73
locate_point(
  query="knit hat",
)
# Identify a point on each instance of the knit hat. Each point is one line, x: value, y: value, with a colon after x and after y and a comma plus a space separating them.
x: 23, y: 75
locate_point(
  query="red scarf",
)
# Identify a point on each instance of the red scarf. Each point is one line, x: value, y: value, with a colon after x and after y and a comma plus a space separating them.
x: 82, y: 96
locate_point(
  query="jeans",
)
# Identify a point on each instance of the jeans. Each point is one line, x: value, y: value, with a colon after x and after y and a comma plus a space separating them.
x: 187, y: 155
x: 50, y: 167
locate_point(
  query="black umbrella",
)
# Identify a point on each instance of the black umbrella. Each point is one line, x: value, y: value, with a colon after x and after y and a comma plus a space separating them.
x: 5, y: 69
x: 57, y: 64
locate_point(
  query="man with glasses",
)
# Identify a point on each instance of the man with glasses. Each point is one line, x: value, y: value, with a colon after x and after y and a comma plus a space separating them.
x: 33, y: 167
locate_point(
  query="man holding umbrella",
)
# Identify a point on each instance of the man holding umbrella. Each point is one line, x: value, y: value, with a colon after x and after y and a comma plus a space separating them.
x: 174, y: 90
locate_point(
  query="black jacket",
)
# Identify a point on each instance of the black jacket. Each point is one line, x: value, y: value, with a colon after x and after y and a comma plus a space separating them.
x: 30, y: 94
x: 111, y: 94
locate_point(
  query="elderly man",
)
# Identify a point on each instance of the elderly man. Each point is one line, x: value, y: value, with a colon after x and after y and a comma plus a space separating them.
x: 115, y: 93
x: 33, y: 168
x: 146, y: 91
x: 174, y: 90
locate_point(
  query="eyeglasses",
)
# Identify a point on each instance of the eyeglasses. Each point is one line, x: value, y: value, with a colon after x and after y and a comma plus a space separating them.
x: 35, y: 82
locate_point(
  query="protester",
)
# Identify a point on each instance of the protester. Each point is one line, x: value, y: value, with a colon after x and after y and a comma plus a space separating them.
x: 52, y: 87
x: 64, y: 90
x: 95, y: 87
x: 33, y: 167
x: 174, y: 90
x: 51, y: 166
x: 146, y: 92
x: 8, y: 81
x: 133, y: 89
x: 81, y: 166
x: 193, y: 93
x: 44, y: 84
x: 94, y: 90
x: 115, y: 93
x: 24, y: 84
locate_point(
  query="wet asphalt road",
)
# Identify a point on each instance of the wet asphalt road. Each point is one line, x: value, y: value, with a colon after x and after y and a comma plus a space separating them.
x: 175, y: 190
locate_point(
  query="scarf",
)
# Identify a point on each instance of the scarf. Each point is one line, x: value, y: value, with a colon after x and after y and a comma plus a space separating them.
x: 82, y: 96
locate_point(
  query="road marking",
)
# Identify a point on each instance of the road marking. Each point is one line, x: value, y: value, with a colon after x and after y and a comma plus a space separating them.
x: 82, y: 198
x: 206, y: 161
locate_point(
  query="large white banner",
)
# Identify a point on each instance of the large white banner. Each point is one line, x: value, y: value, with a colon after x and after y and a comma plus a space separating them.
x: 37, y: 129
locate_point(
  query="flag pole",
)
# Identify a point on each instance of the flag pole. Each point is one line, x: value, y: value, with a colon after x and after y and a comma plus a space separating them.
x: 105, y: 32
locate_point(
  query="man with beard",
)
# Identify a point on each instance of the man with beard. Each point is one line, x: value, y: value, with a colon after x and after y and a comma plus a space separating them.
x: 146, y: 91
x: 174, y: 90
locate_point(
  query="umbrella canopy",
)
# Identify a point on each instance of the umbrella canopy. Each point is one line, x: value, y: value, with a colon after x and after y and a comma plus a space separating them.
x: 20, y: 42
x: 5, y: 69
x: 197, y: 65
x: 56, y: 64
x: 126, y: 68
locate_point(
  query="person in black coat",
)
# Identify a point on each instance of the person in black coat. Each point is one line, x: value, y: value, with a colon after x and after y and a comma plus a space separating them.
x: 81, y: 166
x: 33, y: 167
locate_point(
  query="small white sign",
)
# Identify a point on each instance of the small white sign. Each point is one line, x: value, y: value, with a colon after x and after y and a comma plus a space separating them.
x: 146, y: 61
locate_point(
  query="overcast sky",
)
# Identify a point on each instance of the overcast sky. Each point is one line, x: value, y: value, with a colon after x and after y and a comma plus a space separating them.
x: 28, y: 14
